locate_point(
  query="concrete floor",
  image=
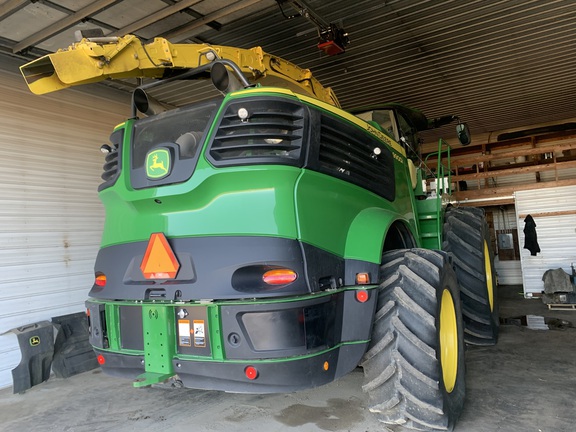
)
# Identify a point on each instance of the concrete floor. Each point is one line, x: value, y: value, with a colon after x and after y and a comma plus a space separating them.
x: 525, y: 383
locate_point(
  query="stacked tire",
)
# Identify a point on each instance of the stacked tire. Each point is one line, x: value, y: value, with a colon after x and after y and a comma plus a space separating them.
x: 467, y: 240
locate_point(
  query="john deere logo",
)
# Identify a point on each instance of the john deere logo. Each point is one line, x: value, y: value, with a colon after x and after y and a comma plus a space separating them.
x: 158, y: 164
x: 35, y: 341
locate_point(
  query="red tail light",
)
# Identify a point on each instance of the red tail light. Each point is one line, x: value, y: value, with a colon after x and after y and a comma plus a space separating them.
x: 100, y: 280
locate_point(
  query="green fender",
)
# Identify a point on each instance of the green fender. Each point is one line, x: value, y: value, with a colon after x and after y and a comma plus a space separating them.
x: 365, y: 239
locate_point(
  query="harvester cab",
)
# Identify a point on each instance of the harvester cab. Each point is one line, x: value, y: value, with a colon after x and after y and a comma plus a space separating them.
x: 403, y: 125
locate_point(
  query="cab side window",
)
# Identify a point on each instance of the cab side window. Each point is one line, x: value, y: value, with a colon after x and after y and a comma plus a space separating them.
x: 382, y: 119
x: 408, y: 137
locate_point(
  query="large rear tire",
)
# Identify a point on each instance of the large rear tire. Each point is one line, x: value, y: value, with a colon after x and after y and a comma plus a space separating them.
x: 414, y: 366
x: 467, y: 240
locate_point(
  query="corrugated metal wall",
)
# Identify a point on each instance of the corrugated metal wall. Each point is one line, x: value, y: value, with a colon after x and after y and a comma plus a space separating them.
x: 50, y: 215
x: 509, y: 271
x: 556, y: 232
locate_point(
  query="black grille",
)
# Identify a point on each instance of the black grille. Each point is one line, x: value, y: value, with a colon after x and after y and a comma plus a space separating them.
x: 348, y: 152
x: 112, y: 160
x: 272, y: 132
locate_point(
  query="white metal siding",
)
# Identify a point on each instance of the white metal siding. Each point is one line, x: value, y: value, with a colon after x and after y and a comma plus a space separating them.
x: 50, y: 215
x: 556, y: 233
x: 509, y: 272
x: 511, y: 180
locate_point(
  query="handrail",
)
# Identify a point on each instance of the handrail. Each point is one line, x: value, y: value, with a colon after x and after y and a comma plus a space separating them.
x: 441, y: 170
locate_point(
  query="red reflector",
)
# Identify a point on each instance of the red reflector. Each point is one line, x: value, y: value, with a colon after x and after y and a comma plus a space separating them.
x: 101, y: 359
x: 88, y: 312
x: 251, y: 372
x: 362, y: 296
x: 100, y: 280
x: 159, y: 261
x: 279, y: 276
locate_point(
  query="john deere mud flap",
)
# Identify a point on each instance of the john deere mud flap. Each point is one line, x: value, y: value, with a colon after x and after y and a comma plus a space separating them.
x: 267, y: 346
x: 37, y: 347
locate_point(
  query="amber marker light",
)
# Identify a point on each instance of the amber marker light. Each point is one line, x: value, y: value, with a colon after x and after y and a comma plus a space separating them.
x: 100, y: 280
x: 279, y: 276
x: 326, y: 366
x: 362, y: 278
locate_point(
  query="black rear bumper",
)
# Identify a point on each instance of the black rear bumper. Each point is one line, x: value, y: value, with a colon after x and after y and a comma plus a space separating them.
x: 272, y: 377
x: 292, y: 344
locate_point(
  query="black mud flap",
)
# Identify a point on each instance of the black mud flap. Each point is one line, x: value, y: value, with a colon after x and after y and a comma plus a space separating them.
x: 73, y: 353
x: 37, y: 347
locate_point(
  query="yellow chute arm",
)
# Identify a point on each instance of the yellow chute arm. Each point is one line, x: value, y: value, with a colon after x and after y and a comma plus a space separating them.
x: 96, y: 59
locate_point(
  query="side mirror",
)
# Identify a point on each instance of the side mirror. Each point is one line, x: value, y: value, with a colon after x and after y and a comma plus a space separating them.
x: 463, y: 134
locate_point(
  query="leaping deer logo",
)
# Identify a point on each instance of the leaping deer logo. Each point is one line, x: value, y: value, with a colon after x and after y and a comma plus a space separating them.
x: 158, y: 164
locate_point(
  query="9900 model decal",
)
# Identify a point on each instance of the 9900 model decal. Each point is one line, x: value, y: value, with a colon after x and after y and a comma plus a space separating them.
x: 381, y: 135
x: 398, y: 157
x: 385, y: 138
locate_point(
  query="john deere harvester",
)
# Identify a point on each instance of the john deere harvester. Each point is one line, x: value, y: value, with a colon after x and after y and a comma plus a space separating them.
x: 269, y: 241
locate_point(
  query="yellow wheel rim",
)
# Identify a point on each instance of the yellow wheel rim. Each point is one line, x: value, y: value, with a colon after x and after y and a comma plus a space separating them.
x: 489, y: 281
x: 448, y: 341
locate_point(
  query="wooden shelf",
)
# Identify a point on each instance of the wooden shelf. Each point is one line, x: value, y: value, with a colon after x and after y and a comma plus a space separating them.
x: 483, y: 166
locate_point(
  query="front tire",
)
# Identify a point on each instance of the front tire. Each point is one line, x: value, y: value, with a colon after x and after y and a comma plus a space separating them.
x: 414, y: 366
x: 467, y: 239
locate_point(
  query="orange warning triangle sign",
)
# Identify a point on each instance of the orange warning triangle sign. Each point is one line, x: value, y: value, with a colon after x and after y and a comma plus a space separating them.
x: 159, y: 261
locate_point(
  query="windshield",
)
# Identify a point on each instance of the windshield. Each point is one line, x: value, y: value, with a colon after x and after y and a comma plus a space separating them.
x: 184, y: 127
x: 165, y: 147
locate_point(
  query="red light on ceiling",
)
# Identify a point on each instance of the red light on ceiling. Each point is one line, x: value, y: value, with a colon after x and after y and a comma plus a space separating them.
x: 279, y: 276
x: 331, y: 48
x: 362, y: 296
x: 251, y: 372
x: 101, y: 360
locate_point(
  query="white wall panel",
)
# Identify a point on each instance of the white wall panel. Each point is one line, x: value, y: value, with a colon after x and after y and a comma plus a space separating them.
x: 50, y: 215
x: 509, y: 271
x: 511, y: 180
x: 562, y: 174
x: 556, y: 233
